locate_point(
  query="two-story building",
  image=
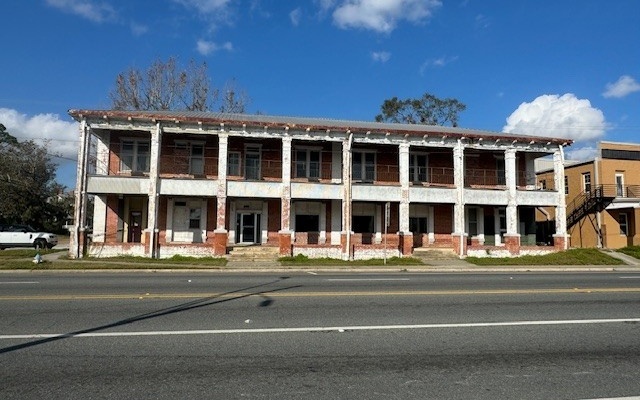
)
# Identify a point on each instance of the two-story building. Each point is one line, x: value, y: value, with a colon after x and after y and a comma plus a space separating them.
x: 194, y: 183
x: 603, y: 197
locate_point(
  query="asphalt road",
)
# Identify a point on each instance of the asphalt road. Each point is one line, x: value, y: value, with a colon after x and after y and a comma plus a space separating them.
x: 210, y: 335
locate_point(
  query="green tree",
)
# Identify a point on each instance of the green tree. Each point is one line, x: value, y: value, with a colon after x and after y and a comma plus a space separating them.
x: 166, y: 86
x: 28, y: 191
x: 427, y: 110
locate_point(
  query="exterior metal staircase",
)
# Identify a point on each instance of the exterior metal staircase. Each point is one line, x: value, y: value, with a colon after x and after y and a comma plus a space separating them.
x: 588, y: 202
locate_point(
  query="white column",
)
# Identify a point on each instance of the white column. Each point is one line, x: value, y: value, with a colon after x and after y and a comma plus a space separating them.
x: 379, y: 216
x: 458, y: 181
x: 323, y: 223
x: 561, y: 208
x: 221, y: 195
x: 80, y: 201
x: 510, y: 178
x: 431, y: 225
x: 99, y: 219
x: 154, y: 189
x: 336, y: 222
x: 404, y: 188
x: 346, y: 192
x: 102, y: 153
x: 285, y: 221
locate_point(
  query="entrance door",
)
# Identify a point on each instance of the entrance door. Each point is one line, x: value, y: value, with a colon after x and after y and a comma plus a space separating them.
x: 135, y: 227
x: 248, y: 227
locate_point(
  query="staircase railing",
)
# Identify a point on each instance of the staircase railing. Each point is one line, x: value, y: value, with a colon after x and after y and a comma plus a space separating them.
x: 587, y: 202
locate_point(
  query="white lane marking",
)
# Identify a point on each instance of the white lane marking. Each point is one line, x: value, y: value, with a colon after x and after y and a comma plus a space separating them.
x: 20, y: 283
x: 629, y: 277
x: 365, y: 279
x: 617, y: 398
x: 312, y: 273
x: 323, y: 329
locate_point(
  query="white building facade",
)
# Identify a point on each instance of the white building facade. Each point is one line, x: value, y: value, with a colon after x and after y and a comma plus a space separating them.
x: 192, y: 183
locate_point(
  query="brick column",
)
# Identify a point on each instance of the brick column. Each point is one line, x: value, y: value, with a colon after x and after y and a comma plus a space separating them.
x: 561, y: 238
x: 77, y: 242
x: 220, y: 235
x: 406, y: 236
x: 151, y: 243
x: 459, y: 239
x: 511, y: 237
x: 345, y: 237
x: 285, y: 194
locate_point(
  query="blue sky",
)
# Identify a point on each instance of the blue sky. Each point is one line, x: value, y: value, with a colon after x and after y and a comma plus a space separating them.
x: 568, y: 68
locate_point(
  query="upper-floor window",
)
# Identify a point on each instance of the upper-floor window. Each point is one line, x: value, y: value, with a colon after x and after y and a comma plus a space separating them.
x: 233, y: 163
x: 566, y: 185
x: 252, y: 162
x: 586, y: 182
x: 418, y: 167
x: 619, y: 184
x: 307, y: 163
x: 194, y: 151
x: 364, y: 166
x: 543, y: 184
x: 134, y: 155
x: 501, y: 175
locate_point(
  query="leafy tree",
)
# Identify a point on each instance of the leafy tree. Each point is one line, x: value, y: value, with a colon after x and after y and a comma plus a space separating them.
x: 28, y: 191
x: 427, y: 110
x: 164, y: 86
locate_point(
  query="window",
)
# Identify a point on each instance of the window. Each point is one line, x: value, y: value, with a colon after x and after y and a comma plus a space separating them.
x: 252, y: 162
x: 190, y: 157
x: 196, y: 166
x: 418, y: 167
x: 363, y: 224
x: 473, y: 221
x: 134, y: 156
x: 586, y: 182
x: 307, y: 163
x: 418, y: 225
x: 233, y: 164
x: 194, y: 218
x: 364, y: 166
x: 307, y: 223
x: 619, y: 184
x: 501, y: 174
x: 624, y: 224
x: 543, y: 184
x: 566, y: 185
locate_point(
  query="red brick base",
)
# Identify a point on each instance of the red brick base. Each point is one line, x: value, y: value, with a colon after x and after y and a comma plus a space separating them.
x: 512, y: 243
x: 406, y: 244
x: 220, y: 243
x: 455, y: 242
x: 284, y: 240
x: 560, y: 243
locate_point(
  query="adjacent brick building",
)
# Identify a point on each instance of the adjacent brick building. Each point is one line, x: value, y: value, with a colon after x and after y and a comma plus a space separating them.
x: 166, y: 183
x: 603, y: 197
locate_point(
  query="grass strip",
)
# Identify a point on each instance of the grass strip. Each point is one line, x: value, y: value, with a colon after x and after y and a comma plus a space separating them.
x: 569, y: 257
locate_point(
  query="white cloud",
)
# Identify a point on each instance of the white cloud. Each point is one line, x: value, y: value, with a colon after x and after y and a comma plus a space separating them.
x: 205, y: 47
x: 138, y: 29
x: 206, y: 6
x: 382, y: 15
x: 92, y: 10
x: 581, y: 153
x: 624, y: 86
x: 563, y: 116
x: 295, y: 16
x: 381, y: 56
x: 437, y: 62
x: 42, y: 127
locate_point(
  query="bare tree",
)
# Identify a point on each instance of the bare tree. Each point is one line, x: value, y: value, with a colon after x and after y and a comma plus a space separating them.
x: 165, y: 86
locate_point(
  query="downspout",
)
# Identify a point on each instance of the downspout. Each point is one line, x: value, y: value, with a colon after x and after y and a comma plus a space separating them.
x: 596, y: 178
